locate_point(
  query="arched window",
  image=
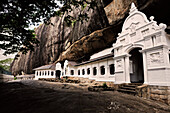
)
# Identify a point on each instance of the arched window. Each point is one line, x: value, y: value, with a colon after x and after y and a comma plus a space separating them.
x: 83, y: 72
x: 78, y: 72
x: 52, y: 73
x: 72, y: 72
x: 94, y: 71
x: 40, y: 73
x: 37, y: 73
x: 102, y: 70
x: 112, y: 69
x: 45, y: 73
x: 48, y: 73
x: 88, y: 71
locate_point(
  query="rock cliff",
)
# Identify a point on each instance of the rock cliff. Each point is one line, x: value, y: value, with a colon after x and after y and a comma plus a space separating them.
x: 60, y: 42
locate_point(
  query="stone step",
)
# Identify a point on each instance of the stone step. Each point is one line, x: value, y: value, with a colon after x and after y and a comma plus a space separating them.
x: 138, y: 84
x: 132, y: 86
x: 129, y: 88
x: 127, y: 91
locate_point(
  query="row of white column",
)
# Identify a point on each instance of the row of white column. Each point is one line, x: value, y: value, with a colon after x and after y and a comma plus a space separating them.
x: 45, y: 73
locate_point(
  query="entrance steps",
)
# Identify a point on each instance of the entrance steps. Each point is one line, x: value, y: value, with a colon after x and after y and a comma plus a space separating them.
x: 129, y: 88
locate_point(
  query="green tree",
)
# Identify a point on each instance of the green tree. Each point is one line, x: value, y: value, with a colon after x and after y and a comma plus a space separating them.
x: 17, y: 15
x: 5, y: 64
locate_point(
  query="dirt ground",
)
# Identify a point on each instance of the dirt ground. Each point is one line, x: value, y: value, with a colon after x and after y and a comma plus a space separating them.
x: 30, y: 96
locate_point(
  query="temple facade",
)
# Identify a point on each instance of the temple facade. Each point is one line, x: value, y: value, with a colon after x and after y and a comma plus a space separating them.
x: 141, y: 54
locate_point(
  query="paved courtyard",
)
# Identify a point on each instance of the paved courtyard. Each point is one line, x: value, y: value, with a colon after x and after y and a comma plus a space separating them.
x: 30, y: 96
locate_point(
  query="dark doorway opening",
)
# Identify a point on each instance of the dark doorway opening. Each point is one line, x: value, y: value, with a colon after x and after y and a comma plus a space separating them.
x: 58, y: 73
x: 136, y: 66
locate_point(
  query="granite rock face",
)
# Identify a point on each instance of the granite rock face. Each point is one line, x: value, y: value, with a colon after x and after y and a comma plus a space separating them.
x: 54, y: 39
x: 60, y: 42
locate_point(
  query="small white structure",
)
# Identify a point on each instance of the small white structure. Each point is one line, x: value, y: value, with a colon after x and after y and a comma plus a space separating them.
x: 141, y: 54
x: 47, y: 71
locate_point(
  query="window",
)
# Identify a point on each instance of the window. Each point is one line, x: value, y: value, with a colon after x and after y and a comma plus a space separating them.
x: 153, y: 39
x: 78, y: 72
x: 112, y: 69
x: 48, y: 73
x: 52, y: 73
x: 88, y: 71
x: 72, y: 72
x: 37, y: 73
x: 102, y: 70
x: 83, y: 71
x: 44, y: 72
x: 40, y: 73
x: 94, y: 71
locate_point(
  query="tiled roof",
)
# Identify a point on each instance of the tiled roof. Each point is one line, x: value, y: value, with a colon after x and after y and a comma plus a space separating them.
x: 51, y: 66
x: 72, y: 63
x: 96, y: 59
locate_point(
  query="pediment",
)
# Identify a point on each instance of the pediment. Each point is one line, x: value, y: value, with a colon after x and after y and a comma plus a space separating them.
x: 134, y: 20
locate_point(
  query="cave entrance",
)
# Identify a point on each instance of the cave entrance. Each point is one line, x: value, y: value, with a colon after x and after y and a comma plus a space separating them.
x: 136, y: 66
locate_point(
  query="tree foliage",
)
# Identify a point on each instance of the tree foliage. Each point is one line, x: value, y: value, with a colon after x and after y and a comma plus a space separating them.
x: 17, y: 15
x: 5, y: 64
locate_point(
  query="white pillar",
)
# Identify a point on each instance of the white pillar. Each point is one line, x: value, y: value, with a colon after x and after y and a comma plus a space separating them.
x: 127, y: 73
x: 49, y: 72
x: 54, y: 74
x: 35, y: 73
x: 145, y: 68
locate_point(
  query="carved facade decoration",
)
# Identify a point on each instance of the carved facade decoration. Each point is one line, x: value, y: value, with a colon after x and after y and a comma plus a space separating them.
x: 119, y: 64
x: 155, y: 57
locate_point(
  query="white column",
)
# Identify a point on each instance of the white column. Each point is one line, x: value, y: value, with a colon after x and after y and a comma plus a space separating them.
x: 145, y: 68
x: 127, y: 73
x: 35, y: 73
x: 54, y: 74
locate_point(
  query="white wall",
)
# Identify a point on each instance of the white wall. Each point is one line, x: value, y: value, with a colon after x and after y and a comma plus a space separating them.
x: 42, y: 75
x: 98, y: 77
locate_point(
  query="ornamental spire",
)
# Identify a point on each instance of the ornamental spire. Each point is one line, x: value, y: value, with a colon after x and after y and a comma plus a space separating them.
x: 133, y: 8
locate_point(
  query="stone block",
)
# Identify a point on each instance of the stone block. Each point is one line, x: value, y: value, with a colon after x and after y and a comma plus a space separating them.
x: 162, y: 87
x: 168, y: 100
x: 163, y: 97
x: 160, y: 92
x: 168, y: 87
x: 168, y: 92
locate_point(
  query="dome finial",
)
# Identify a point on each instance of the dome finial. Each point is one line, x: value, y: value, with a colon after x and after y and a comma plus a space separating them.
x: 133, y: 8
x: 133, y: 5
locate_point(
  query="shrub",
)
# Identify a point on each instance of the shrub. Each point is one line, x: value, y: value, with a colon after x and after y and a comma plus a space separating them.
x: 105, y: 85
x: 15, y: 78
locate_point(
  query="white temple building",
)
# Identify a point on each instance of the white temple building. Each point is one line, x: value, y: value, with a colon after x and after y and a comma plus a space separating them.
x: 141, y: 54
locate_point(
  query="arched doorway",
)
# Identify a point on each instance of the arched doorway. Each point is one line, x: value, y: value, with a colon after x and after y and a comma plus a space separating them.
x: 58, y: 73
x: 136, y: 66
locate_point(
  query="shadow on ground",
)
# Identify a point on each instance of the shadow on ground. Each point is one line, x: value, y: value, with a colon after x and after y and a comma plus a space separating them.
x: 19, y: 98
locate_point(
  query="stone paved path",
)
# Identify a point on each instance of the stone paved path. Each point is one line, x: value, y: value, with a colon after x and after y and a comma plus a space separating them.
x: 44, y: 97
